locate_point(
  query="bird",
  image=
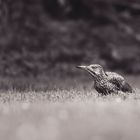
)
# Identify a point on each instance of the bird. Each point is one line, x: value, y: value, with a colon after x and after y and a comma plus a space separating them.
x: 107, y: 82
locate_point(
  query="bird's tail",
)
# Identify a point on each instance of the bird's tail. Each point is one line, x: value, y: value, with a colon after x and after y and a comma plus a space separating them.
x: 127, y: 88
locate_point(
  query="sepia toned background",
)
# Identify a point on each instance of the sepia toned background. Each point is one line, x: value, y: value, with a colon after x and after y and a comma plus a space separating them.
x: 51, y: 37
x: 43, y: 96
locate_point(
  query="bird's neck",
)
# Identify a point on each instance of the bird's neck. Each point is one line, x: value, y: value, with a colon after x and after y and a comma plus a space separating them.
x: 100, y: 77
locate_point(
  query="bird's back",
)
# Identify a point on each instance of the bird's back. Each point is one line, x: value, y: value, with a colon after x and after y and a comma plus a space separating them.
x: 114, y: 76
x: 119, y: 81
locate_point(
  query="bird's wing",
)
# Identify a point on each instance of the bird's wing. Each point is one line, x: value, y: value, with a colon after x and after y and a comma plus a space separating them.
x: 119, y: 81
x: 115, y: 78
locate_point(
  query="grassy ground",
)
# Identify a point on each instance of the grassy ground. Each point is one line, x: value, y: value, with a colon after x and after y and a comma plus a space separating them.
x: 68, y: 110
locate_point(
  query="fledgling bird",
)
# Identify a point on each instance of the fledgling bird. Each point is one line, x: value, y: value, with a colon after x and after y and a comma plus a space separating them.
x: 107, y: 82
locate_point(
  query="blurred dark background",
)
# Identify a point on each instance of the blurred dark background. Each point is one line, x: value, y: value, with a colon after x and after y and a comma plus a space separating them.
x: 44, y: 37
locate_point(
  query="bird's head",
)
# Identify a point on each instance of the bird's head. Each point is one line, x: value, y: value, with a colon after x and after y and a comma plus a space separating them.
x: 95, y: 70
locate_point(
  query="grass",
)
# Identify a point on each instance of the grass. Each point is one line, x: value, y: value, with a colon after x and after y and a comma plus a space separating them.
x: 68, y: 110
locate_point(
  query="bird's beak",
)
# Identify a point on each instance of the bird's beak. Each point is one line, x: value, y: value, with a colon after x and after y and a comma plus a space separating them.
x: 82, y: 67
x: 87, y: 68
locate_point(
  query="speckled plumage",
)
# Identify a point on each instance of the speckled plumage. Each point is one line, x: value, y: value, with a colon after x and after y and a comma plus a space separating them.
x: 107, y: 82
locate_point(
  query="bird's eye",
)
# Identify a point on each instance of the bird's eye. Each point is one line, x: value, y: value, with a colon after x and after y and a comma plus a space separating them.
x: 94, y: 67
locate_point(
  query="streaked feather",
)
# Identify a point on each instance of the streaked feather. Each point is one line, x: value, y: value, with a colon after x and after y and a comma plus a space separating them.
x: 107, y: 82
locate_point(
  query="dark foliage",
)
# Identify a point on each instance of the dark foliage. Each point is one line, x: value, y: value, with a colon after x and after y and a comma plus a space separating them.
x: 39, y: 36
